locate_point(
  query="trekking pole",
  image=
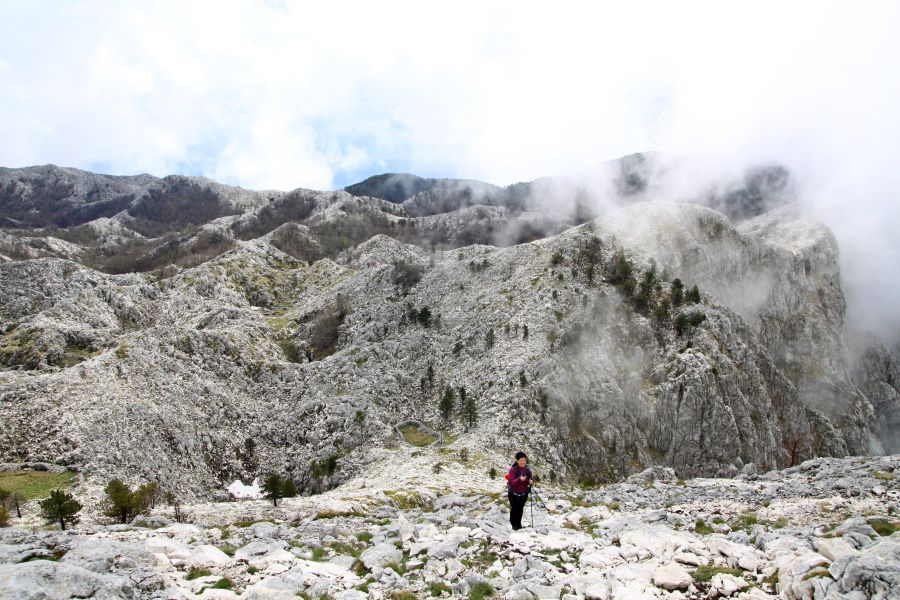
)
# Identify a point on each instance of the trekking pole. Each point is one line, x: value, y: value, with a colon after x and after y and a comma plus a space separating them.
x: 540, y: 500
x: 532, y: 508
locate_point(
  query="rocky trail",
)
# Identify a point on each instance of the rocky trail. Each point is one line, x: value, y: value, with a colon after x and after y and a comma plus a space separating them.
x: 406, y: 528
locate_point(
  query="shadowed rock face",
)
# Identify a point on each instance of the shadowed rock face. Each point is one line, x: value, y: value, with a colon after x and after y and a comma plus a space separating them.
x: 289, y: 323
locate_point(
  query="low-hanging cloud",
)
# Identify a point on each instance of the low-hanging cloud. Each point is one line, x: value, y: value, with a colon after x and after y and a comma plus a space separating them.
x: 282, y: 95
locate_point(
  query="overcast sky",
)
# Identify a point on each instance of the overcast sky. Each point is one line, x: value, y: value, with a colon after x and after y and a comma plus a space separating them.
x: 287, y: 94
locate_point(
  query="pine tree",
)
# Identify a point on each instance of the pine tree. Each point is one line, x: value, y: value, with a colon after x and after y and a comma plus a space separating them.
x: 470, y: 412
x: 446, y: 405
x: 681, y: 323
x: 662, y: 309
x: 272, y: 488
x: 694, y: 295
x: 122, y: 503
x: 149, y: 494
x: 677, y: 292
x: 288, y: 488
x: 172, y: 500
x: 60, y: 507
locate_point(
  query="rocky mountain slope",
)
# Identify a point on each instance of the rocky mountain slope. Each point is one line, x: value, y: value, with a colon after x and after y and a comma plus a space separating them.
x: 293, y: 332
x: 826, y: 528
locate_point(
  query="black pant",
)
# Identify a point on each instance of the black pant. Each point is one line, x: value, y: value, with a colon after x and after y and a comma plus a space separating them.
x: 516, y: 506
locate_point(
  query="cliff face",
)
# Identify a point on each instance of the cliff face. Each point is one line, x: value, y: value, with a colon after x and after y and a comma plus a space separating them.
x: 574, y: 346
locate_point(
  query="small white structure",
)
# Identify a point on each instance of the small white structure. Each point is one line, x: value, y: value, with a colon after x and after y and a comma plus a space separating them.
x: 245, y: 492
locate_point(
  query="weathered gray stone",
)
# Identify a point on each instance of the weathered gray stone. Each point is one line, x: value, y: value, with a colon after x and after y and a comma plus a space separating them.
x: 48, y: 580
x: 380, y: 555
x: 672, y: 577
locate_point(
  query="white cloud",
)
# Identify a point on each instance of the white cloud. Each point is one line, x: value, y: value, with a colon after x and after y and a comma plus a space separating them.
x: 282, y: 95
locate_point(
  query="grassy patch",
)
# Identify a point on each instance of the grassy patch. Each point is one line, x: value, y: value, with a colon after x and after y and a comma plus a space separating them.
x: 700, y: 527
x: 252, y: 570
x: 772, y: 581
x: 360, y: 569
x: 746, y: 522
x: 415, y: 436
x: 705, y: 573
x: 436, y: 589
x: 407, y: 500
x: 884, y: 528
x: 31, y: 485
x: 398, y: 568
x: 347, y: 549
x: 364, y: 537
x: 223, y: 584
x: 404, y: 595
x: 196, y: 573
x: 228, y: 549
x: 333, y: 514
x: 480, y: 591
x: 244, y: 524
x: 318, y: 554
x: 883, y: 476
x: 779, y: 523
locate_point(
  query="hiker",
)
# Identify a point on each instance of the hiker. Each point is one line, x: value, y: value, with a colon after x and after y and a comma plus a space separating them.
x: 518, y: 482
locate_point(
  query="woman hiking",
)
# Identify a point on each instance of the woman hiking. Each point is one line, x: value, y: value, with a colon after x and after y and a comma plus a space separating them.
x: 518, y: 482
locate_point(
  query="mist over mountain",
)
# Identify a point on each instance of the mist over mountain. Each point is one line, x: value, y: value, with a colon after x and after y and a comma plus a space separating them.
x: 153, y: 325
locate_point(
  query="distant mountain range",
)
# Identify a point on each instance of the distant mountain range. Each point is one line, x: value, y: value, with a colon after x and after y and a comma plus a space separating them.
x: 183, y: 330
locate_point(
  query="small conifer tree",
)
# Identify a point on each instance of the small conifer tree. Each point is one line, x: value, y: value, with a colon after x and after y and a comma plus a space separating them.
x: 289, y: 488
x: 272, y: 488
x: 122, y: 502
x: 446, y: 405
x: 694, y: 295
x: 470, y: 412
x: 61, y: 507
x: 172, y: 500
x: 677, y: 292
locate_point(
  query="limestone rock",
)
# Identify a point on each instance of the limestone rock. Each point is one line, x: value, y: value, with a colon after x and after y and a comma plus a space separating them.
x: 672, y: 577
